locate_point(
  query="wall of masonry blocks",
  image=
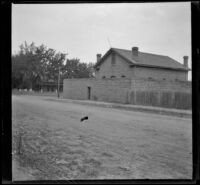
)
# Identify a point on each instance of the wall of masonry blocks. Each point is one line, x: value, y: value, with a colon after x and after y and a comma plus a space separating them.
x: 131, y: 91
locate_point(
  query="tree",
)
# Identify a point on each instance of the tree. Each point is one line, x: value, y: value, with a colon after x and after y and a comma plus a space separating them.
x: 26, y: 65
x: 55, y: 61
x: 76, y: 69
x: 35, y: 64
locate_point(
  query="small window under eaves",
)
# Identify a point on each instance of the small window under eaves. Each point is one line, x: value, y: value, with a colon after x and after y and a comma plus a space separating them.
x: 113, y: 62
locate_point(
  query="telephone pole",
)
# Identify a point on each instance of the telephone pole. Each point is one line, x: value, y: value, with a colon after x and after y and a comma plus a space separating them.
x: 58, y: 82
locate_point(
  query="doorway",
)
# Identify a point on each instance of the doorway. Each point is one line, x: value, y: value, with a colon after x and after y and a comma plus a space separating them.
x: 89, y: 93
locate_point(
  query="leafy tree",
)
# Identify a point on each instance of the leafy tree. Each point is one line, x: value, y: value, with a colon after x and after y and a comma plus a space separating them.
x: 35, y: 64
x: 75, y: 69
x: 55, y: 61
x: 27, y: 65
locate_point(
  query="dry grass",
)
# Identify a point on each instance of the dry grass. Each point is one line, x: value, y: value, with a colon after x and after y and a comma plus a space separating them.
x: 113, y: 144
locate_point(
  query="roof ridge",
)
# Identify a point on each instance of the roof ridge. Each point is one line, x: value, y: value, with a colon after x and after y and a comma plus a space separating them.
x: 121, y: 49
x: 154, y: 54
x: 142, y: 52
x: 163, y: 56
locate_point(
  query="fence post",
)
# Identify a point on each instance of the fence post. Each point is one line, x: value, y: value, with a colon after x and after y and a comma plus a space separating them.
x: 159, y: 98
x: 19, y: 147
x: 58, y: 93
x: 128, y: 97
x: 135, y: 97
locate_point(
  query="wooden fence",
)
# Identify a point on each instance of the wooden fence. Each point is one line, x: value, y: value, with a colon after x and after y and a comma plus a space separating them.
x: 177, y: 100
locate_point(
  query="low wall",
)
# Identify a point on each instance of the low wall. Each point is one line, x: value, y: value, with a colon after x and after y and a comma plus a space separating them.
x: 109, y: 90
x: 160, y: 85
x: 161, y: 93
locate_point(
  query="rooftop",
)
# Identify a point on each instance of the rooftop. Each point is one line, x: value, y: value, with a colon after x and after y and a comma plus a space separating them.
x: 146, y: 59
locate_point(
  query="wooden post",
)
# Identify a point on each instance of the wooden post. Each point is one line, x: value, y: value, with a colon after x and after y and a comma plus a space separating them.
x: 19, y: 147
x: 58, y: 82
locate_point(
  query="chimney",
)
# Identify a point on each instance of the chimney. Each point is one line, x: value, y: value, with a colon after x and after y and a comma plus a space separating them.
x: 135, y: 51
x: 185, y: 61
x: 98, y: 57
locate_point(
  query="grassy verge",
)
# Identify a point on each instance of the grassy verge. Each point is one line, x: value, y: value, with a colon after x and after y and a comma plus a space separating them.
x: 35, y: 93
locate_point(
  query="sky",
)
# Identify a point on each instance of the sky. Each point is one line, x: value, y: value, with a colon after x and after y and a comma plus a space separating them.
x: 83, y: 30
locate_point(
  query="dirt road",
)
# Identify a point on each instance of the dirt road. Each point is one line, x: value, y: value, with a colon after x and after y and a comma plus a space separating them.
x: 111, y: 144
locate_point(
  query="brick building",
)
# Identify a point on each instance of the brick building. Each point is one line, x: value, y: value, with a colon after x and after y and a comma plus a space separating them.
x: 134, y: 77
x: 120, y: 63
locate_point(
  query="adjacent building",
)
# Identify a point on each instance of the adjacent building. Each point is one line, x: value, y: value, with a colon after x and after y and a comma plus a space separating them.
x: 121, y: 63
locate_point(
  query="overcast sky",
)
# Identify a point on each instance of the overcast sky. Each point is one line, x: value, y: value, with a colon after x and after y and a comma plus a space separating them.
x: 83, y: 30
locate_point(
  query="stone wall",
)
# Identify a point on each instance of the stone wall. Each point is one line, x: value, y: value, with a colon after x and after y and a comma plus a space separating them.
x: 160, y: 74
x: 109, y: 90
x: 76, y: 88
x: 142, y: 84
x: 174, y: 94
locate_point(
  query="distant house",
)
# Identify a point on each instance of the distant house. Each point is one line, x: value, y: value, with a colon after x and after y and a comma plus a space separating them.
x: 121, y: 63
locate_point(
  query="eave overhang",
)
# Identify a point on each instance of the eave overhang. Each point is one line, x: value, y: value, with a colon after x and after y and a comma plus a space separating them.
x: 160, y: 67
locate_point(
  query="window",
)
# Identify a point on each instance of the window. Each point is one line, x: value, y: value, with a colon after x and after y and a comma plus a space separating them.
x: 113, y: 60
x: 103, y: 77
x: 112, y: 77
x: 123, y: 76
x: 164, y: 79
x: 150, y: 78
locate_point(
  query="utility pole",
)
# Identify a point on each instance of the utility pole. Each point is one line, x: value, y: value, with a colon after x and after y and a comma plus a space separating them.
x: 58, y: 82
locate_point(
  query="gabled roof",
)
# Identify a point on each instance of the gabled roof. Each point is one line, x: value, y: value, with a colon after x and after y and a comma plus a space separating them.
x: 146, y: 59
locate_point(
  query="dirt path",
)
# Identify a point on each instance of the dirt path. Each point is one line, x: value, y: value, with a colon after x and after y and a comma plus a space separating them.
x: 111, y: 144
x: 20, y: 173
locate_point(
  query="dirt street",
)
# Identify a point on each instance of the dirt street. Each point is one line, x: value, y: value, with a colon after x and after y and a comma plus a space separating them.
x: 111, y: 144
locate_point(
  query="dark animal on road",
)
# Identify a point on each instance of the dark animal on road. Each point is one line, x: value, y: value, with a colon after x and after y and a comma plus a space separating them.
x: 84, y: 118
